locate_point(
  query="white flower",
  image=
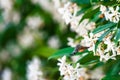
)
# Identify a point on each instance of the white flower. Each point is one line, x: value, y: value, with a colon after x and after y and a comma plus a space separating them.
x: 90, y: 26
x: 97, y: 74
x: 33, y: 70
x: 59, y: 3
x: 68, y: 12
x: 110, y: 46
x: 75, y: 22
x: 67, y: 16
x: 103, y: 9
x: 69, y: 72
x: 8, y: 14
x: 109, y: 52
x: 13, y: 49
x: 104, y: 56
x: 81, y: 30
x: 105, y: 53
x: 54, y: 42
x: 26, y: 38
x: 84, y: 27
x: 71, y: 42
x: 11, y: 16
x: 75, y: 58
x: 34, y: 22
x: 110, y: 13
x: 6, y: 4
x: 15, y: 17
x: 89, y: 41
x: 62, y: 65
x: 7, y: 74
x: 114, y: 14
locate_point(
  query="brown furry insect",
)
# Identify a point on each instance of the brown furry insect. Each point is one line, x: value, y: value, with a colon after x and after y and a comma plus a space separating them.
x: 79, y: 48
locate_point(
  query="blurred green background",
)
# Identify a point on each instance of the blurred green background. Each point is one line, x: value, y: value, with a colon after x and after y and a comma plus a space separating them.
x: 30, y: 28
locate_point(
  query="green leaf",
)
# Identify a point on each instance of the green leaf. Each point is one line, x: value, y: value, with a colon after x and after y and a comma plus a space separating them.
x: 62, y: 52
x: 92, y: 61
x: 81, y: 1
x: 44, y: 51
x: 104, y: 34
x: 115, y: 69
x: 82, y: 11
x: 96, y: 17
x: 98, y: 64
x: 117, y: 35
x: 90, y: 13
x: 103, y: 27
x: 87, y: 58
x: 112, y: 77
x: 93, y: 1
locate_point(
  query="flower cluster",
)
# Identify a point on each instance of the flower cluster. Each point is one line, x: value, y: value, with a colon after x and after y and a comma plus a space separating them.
x: 69, y: 14
x: 33, y: 71
x: 69, y: 72
x: 9, y: 14
x: 107, y: 49
x: 7, y: 74
x: 110, y: 13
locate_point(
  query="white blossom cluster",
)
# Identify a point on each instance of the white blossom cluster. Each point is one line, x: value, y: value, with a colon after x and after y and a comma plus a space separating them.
x: 69, y: 72
x: 69, y: 14
x: 33, y: 70
x: 110, y: 13
x: 26, y: 38
x: 97, y: 74
x: 59, y: 3
x: 7, y: 74
x: 109, y: 52
x: 34, y: 22
x: 54, y: 40
x: 8, y: 13
x: 85, y: 27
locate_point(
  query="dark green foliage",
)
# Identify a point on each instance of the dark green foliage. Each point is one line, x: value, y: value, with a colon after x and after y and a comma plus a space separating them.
x: 103, y: 27
x: 62, y: 52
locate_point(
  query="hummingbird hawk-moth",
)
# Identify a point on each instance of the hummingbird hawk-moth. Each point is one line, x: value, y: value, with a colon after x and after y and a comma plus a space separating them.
x: 78, y: 48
